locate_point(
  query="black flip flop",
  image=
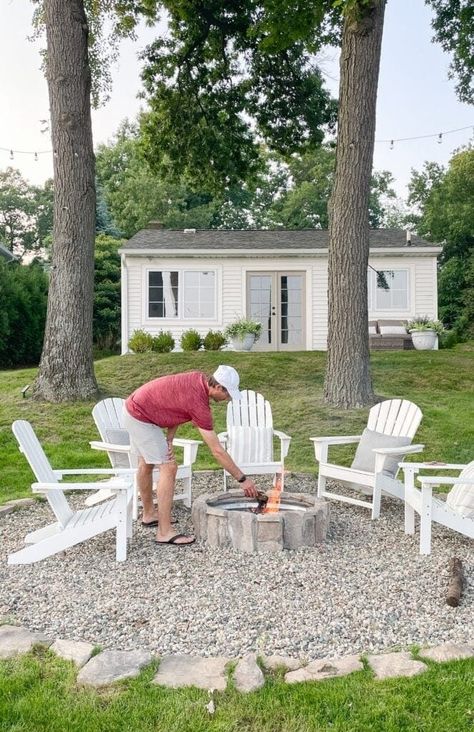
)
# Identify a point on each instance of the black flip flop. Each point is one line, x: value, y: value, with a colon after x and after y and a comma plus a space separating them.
x: 173, y: 541
x: 154, y: 523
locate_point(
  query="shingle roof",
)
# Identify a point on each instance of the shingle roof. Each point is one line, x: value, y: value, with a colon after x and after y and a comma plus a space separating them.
x: 179, y: 239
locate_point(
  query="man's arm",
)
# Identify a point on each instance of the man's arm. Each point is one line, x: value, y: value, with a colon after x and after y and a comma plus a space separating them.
x: 224, y: 459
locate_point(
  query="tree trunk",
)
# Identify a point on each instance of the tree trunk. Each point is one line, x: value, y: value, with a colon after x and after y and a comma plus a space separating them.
x: 66, y: 370
x: 348, y: 382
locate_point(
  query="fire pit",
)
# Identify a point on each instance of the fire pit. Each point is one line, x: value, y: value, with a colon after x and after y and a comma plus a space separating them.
x: 233, y: 520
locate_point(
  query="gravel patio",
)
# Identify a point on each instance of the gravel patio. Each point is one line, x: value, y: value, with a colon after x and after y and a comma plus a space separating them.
x: 366, y: 589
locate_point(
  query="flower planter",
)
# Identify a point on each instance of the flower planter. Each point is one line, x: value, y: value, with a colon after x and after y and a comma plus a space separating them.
x: 424, y: 340
x: 243, y: 344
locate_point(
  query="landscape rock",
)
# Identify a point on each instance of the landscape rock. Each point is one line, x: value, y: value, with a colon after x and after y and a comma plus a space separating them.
x: 325, y: 669
x: 110, y: 666
x: 388, y: 665
x: 205, y: 673
x: 77, y: 651
x: 448, y: 652
x: 15, y: 640
x: 248, y: 675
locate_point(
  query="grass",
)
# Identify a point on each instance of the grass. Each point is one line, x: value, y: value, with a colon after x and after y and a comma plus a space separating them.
x: 440, y: 382
x: 38, y: 692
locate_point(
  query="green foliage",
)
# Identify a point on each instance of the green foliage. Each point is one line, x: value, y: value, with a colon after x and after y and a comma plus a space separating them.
x: 225, y: 70
x: 214, y: 340
x: 26, y: 213
x: 453, y: 24
x: 163, y: 342
x: 242, y: 327
x: 140, y: 341
x: 23, y: 301
x: 423, y: 322
x: 444, y: 198
x: 106, y: 319
x: 191, y: 340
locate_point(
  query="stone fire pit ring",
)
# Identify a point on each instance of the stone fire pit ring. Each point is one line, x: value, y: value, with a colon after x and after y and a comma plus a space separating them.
x: 224, y: 520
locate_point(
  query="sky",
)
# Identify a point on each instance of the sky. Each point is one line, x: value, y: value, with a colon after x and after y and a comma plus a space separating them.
x: 415, y: 96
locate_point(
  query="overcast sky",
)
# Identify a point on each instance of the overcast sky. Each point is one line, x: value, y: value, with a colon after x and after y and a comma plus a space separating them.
x: 415, y: 97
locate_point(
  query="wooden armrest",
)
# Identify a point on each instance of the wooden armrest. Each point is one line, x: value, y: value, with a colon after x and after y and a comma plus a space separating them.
x: 432, y: 466
x: 183, y: 442
x: 337, y: 440
x: 405, y: 449
x: 281, y: 435
x: 118, y: 485
x: 445, y: 480
x: 94, y: 471
x: 109, y: 446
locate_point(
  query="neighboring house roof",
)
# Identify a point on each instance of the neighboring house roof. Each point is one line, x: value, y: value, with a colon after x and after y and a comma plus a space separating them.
x: 155, y: 239
x: 6, y: 253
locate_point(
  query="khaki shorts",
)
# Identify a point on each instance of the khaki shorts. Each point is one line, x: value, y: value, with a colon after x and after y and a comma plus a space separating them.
x: 146, y: 440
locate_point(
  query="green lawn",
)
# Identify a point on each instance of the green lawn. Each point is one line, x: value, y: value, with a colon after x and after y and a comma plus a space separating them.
x: 440, y: 382
x: 38, y: 691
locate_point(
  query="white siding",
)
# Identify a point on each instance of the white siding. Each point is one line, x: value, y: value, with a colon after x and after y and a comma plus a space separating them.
x: 231, y: 291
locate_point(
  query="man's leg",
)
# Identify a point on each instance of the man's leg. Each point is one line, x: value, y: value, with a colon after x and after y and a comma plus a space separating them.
x: 164, y: 494
x: 145, y: 488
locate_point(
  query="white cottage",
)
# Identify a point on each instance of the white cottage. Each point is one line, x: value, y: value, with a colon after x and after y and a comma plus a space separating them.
x: 204, y: 279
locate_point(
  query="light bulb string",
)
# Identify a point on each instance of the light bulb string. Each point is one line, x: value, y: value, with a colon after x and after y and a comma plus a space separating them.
x: 392, y: 140
x: 439, y: 135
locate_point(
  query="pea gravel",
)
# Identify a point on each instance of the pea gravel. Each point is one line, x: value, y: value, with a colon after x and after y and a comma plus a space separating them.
x: 366, y: 589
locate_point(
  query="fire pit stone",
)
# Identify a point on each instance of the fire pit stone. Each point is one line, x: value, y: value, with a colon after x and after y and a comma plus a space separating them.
x: 228, y: 520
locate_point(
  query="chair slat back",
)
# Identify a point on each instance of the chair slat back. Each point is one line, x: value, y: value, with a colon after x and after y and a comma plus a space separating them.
x: 250, y: 445
x: 41, y: 467
x: 253, y: 410
x: 397, y: 417
x: 461, y: 496
x: 107, y: 416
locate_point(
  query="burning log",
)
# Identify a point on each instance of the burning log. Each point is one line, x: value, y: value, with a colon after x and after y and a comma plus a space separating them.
x: 456, y: 581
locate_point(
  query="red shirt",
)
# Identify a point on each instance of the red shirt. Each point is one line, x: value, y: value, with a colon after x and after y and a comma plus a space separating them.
x: 173, y: 400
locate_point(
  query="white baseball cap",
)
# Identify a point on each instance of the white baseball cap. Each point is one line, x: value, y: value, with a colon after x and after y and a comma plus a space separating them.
x: 228, y: 377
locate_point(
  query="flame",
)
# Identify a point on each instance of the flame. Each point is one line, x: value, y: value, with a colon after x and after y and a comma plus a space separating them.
x: 274, y: 497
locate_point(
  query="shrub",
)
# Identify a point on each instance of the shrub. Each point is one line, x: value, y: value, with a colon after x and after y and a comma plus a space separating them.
x: 23, y: 301
x: 106, y: 323
x: 163, y: 342
x: 191, y: 340
x: 140, y: 342
x: 448, y: 339
x: 214, y: 340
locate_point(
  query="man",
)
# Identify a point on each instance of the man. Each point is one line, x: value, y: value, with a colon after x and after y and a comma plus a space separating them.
x: 165, y: 403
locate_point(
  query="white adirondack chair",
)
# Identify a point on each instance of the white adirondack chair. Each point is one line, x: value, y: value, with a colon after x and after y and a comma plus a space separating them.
x: 107, y: 415
x: 380, y: 448
x: 71, y: 527
x: 456, y: 512
x: 249, y: 437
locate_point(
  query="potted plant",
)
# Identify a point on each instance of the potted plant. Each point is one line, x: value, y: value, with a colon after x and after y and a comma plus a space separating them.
x: 243, y: 333
x: 424, y: 332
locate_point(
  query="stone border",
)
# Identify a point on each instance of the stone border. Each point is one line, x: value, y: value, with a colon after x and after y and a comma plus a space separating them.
x: 213, y: 673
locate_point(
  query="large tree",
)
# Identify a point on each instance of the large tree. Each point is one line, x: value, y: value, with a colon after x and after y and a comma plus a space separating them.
x: 66, y: 369
x: 348, y: 382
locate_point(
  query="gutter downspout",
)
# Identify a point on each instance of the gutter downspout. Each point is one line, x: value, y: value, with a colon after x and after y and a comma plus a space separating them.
x: 124, y: 304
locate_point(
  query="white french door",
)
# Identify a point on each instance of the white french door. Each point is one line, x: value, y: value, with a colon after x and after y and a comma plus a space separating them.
x: 276, y: 299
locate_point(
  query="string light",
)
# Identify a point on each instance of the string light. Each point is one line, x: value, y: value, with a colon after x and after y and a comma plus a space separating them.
x: 439, y: 135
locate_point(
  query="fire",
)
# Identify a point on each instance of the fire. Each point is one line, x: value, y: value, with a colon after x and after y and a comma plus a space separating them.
x: 274, y: 497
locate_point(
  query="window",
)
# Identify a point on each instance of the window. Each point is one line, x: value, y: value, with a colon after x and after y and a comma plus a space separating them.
x: 187, y: 294
x: 395, y: 296
x: 163, y: 294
